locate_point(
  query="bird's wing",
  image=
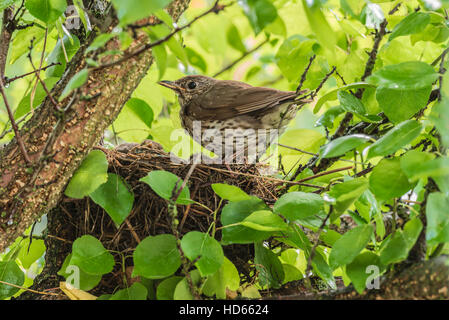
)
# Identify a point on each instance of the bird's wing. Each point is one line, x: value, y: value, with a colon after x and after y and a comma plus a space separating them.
x: 231, y: 98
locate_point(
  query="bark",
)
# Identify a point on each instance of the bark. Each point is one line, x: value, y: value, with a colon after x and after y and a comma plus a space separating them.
x: 57, y: 143
x: 427, y: 280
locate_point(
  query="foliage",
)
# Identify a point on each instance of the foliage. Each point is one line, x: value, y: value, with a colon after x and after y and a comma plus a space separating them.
x: 395, y: 141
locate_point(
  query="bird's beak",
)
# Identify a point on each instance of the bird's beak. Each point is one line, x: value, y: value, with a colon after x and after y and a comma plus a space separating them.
x: 171, y: 85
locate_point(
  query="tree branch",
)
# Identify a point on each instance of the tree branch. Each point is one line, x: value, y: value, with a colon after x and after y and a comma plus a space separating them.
x: 64, y: 140
x: 243, y: 56
x: 215, y: 9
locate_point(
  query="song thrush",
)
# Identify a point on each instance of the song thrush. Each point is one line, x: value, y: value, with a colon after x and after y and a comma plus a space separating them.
x: 229, y: 110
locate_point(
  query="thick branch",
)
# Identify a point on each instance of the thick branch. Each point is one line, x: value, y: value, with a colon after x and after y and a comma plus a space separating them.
x: 424, y: 281
x: 57, y: 143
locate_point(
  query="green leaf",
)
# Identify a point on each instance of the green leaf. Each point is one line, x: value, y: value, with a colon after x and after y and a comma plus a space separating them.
x: 395, y: 249
x: 132, y: 10
x: 89, y: 254
x: 22, y: 39
x: 196, y: 60
x: 92, y: 173
x: 234, y: 39
x: 227, y: 277
x: 328, y: 118
x: 115, y: 197
x: 271, y: 272
x: 86, y: 281
x: 435, y: 168
x: 157, y: 257
x: 234, y: 213
x: 10, y: 273
x: 413, y: 23
x: 260, y: 13
x: 347, y: 248
x: 395, y: 139
x: 201, y: 246
x: 161, y: 57
x: 319, y: 25
x: 160, y: 31
x: 136, y: 292
x: 291, y: 273
x: 100, y: 41
x: 277, y: 27
x: 182, y: 290
x: 163, y: 184
x: 6, y: 3
x: 440, y: 117
x: 231, y: 193
x: 404, y: 76
x: 71, y: 46
x: 345, y: 194
x: 293, y: 56
x: 264, y: 220
x: 299, y: 205
x: 77, y: 81
x: 295, y: 237
x: 412, y: 230
x: 350, y: 103
x: 413, y: 163
x: 142, y: 110
x: 342, y: 145
x: 322, y: 269
x: 388, y: 181
x: 437, y: 230
x: 166, y: 289
x: 39, y: 96
x: 47, y: 11
x: 333, y: 94
x: 29, y: 254
x: 165, y: 17
x: 357, y: 269
x: 399, y: 105
x: 79, y: 7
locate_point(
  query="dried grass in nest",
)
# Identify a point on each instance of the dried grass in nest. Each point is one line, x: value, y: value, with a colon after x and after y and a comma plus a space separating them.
x: 149, y: 215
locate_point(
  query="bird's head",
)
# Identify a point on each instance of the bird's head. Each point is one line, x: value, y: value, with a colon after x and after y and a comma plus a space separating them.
x: 190, y: 87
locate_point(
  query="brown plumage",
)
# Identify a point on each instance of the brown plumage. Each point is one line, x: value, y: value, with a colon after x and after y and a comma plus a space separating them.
x: 227, y: 104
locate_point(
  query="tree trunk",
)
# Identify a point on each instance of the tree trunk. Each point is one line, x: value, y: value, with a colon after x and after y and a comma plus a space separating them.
x: 57, y: 143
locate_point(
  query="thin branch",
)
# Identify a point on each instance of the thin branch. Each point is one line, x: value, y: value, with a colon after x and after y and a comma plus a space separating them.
x: 396, y: 8
x: 324, y: 174
x: 30, y: 290
x: 315, y: 92
x: 172, y: 210
x: 237, y: 173
x: 5, y: 38
x: 215, y: 9
x: 373, y: 54
x: 14, y: 124
x: 304, y: 74
x: 296, y: 149
x: 435, y: 62
x: 186, y: 179
x: 316, y: 242
x: 243, y: 56
x: 44, y: 86
x: 369, y: 67
x: 9, y: 80
x: 441, y: 71
x: 314, y: 154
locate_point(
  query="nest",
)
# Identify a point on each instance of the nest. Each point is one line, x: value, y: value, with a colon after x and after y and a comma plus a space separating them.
x: 149, y: 215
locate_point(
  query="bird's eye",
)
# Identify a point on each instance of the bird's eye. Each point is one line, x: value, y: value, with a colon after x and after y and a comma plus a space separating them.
x: 191, y: 85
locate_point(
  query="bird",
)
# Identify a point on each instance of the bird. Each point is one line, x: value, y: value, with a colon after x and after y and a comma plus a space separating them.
x: 232, y: 118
